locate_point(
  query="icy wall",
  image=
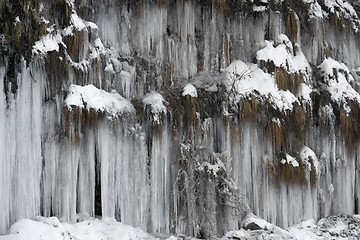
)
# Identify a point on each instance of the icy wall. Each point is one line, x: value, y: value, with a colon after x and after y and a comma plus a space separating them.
x: 179, y: 116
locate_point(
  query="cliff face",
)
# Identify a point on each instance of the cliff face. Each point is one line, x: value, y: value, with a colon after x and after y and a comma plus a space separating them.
x: 179, y: 116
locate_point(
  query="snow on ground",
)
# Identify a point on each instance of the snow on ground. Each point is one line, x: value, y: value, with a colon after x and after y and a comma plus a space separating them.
x: 262, y: 224
x: 333, y: 227
x: 246, y: 78
x: 52, y: 229
x: 90, y: 97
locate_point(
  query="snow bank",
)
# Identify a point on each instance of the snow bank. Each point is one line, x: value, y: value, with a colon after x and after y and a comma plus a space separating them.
x: 189, y: 89
x: 88, y: 230
x: 246, y: 79
x: 90, y: 97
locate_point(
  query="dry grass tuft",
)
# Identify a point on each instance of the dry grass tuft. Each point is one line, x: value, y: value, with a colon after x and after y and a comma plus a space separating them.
x: 350, y: 125
x: 249, y: 109
x: 162, y: 3
x: 313, y: 175
x: 277, y: 135
x: 286, y: 173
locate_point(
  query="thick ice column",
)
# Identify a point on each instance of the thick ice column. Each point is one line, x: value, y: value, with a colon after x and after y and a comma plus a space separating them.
x: 151, y: 30
x: 86, y: 175
x: 160, y: 183
x: 26, y: 128
x: 20, y: 149
x: 122, y: 155
x: 5, y: 162
x: 67, y: 174
x: 107, y: 159
x: 131, y: 170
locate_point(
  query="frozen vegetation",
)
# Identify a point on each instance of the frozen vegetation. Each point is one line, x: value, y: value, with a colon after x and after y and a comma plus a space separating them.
x: 207, y: 119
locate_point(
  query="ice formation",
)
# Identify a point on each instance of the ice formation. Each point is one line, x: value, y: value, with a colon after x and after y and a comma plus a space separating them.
x: 178, y: 117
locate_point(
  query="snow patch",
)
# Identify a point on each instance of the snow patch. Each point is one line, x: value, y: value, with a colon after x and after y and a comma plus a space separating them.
x: 283, y: 56
x: 307, y: 156
x: 77, y: 22
x: 336, y: 77
x: 47, y: 43
x: 277, y: 121
x: 156, y: 101
x: 238, y: 234
x: 259, y: 8
x: 290, y: 160
x: 245, y: 79
x: 17, y: 20
x: 345, y: 9
x: 189, y: 89
x: 212, y: 168
x: 96, y: 49
x: 341, y: 5
x: 304, y: 92
x: 315, y: 10
x: 250, y: 218
x: 92, y: 25
x: 90, y: 97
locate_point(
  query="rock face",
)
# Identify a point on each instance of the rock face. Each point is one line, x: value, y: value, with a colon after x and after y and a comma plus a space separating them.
x: 179, y: 116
